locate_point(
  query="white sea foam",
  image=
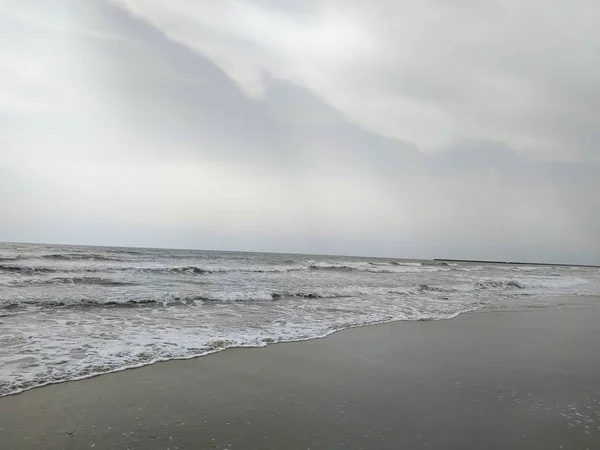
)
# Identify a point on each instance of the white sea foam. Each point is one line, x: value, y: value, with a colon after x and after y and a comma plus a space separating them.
x: 76, y: 344
x: 533, y: 283
x: 393, y: 267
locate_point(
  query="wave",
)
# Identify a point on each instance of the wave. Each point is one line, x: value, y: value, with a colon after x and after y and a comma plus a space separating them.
x: 69, y: 280
x: 319, y: 293
x: 469, y: 285
x: 78, y: 257
x: 358, y: 291
x: 438, y: 263
x: 9, y: 258
x: 24, y: 269
x: 80, y: 304
x: 62, y: 257
x: 423, y: 291
x: 393, y: 267
x: 501, y: 284
x: 183, y: 270
x: 534, y: 283
x: 219, y: 296
x: 192, y: 270
x: 311, y: 266
x: 330, y: 266
x: 432, y: 288
x: 370, y: 267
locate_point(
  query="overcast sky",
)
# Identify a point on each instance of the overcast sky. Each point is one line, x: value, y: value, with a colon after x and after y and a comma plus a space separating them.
x: 429, y: 128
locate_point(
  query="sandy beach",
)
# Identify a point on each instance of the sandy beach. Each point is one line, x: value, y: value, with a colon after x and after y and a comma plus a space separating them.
x: 501, y: 380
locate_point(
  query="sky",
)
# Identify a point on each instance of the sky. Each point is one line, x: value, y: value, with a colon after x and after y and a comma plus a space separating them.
x: 418, y: 129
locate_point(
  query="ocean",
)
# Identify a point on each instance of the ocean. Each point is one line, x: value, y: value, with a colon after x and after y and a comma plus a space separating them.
x: 71, y: 312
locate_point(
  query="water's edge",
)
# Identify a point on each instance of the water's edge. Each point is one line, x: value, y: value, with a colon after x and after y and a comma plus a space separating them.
x: 211, y: 352
x: 473, y: 312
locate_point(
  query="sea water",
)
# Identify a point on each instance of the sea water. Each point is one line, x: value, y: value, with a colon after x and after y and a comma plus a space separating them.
x: 70, y: 312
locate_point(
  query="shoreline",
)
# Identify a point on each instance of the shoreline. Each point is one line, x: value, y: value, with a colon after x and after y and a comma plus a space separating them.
x: 291, y: 341
x: 501, y: 380
x: 220, y: 350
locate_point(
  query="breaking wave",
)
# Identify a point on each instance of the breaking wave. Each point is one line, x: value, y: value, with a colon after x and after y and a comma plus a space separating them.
x: 78, y: 257
x: 69, y: 281
x: 9, y: 258
x: 499, y: 284
x: 321, y: 293
x: 421, y: 291
x: 392, y: 267
x: 192, y: 270
x: 371, y: 267
x: 24, y: 269
x: 224, y: 296
x: 549, y: 282
x: 81, y: 303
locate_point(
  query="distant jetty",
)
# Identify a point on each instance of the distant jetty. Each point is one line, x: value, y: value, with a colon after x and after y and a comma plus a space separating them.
x: 517, y: 263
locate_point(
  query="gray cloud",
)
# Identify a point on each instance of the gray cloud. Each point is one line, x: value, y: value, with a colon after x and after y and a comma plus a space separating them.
x: 135, y: 131
x: 428, y: 72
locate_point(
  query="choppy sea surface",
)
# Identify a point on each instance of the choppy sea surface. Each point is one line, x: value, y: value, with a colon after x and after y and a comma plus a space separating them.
x: 70, y: 312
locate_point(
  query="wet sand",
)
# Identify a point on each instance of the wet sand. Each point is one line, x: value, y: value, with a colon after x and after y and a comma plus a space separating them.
x: 511, y: 380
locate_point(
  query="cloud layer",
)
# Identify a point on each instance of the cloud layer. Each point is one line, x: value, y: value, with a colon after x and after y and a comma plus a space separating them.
x: 428, y: 72
x: 401, y: 128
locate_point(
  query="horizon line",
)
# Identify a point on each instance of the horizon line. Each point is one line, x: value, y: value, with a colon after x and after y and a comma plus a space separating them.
x: 457, y: 260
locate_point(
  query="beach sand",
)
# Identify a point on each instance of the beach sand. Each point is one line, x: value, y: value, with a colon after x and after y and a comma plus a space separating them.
x: 510, y: 380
